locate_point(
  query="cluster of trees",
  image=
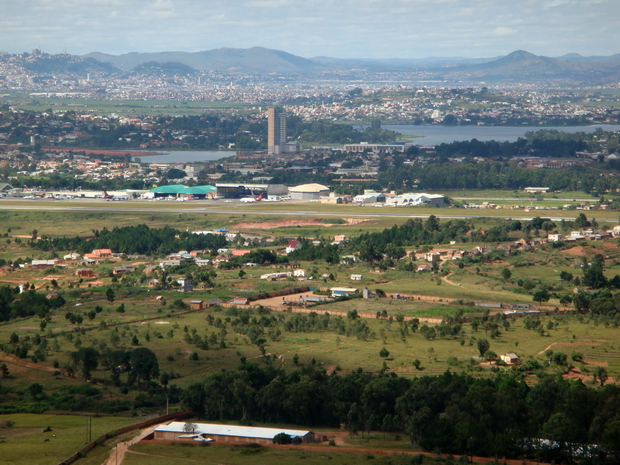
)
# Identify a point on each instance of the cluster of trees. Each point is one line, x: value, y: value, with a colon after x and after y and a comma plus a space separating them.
x: 391, y: 242
x: 450, y: 413
x: 138, y: 239
x: 30, y: 303
x: 335, y: 133
x: 545, y: 143
x: 440, y: 174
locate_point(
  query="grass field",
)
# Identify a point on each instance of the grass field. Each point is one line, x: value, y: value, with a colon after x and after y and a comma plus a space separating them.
x: 24, y: 443
x: 41, y: 215
x: 179, y: 454
x: 123, y: 107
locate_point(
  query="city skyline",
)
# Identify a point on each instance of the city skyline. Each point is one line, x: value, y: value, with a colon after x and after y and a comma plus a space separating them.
x: 340, y: 29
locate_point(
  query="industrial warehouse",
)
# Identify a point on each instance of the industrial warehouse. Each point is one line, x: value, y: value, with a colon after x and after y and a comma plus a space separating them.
x: 206, y: 432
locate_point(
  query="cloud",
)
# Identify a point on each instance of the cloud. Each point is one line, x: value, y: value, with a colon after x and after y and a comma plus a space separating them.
x: 503, y: 31
x: 341, y: 28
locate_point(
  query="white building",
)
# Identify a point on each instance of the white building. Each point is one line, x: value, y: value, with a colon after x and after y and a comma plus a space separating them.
x: 309, y: 192
x: 412, y: 199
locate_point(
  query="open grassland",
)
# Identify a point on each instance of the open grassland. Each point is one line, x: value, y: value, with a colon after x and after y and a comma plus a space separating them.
x: 25, y: 442
x: 153, y: 454
x: 292, y: 207
x: 67, y: 223
x: 123, y: 107
x: 167, y: 337
x: 491, y: 195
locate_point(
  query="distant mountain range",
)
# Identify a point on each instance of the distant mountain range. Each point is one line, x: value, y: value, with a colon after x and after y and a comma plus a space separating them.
x: 250, y: 60
x: 517, y: 66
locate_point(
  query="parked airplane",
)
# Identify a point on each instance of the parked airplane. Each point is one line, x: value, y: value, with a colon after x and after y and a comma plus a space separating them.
x: 108, y: 197
x: 252, y: 199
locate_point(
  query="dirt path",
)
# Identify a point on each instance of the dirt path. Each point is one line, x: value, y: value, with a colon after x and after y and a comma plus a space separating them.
x: 547, y: 348
x: 23, y: 363
x: 118, y: 453
x: 445, y: 278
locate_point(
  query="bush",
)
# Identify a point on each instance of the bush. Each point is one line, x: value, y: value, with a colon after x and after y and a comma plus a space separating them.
x: 282, y: 438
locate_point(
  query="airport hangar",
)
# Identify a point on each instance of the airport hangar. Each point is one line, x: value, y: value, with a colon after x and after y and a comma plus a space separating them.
x: 237, y: 191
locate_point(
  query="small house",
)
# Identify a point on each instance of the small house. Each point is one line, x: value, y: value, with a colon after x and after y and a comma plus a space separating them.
x: 197, y: 304
x: 292, y: 246
x: 510, y: 358
x: 85, y: 273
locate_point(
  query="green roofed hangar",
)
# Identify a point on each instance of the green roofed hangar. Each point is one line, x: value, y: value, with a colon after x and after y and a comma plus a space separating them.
x: 181, y: 191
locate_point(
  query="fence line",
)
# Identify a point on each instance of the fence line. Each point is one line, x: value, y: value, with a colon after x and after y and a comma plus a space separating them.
x: 144, y: 424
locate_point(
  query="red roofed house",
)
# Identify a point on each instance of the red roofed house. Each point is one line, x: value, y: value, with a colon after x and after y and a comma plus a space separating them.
x: 240, y: 253
x: 99, y: 253
x: 102, y: 252
x: 293, y: 246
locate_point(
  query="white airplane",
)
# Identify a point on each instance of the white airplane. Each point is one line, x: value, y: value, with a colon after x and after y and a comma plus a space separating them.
x: 252, y: 199
x: 107, y: 196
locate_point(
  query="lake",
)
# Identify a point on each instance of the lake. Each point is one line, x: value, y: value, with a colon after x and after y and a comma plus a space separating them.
x: 438, y: 134
x: 186, y: 156
x: 430, y: 135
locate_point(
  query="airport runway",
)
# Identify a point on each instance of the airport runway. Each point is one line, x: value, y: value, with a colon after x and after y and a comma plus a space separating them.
x: 237, y: 208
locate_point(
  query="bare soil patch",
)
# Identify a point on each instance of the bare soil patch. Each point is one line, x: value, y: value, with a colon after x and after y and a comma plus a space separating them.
x: 296, y: 222
x: 569, y: 344
x: 579, y: 251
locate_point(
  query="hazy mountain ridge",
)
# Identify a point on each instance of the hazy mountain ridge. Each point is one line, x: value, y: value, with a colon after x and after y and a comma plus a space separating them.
x: 251, y: 60
x: 516, y: 66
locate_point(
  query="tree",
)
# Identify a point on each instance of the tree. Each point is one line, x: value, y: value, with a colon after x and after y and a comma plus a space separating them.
x: 483, y: 345
x: 384, y: 353
x: 144, y: 364
x: 601, y: 375
x: 506, y: 274
x: 35, y: 390
x: 566, y: 276
x: 581, y: 221
x: 109, y: 294
x: 542, y: 295
x: 190, y: 427
x: 88, y: 359
x: 353, y: 419
x: 282, y: 438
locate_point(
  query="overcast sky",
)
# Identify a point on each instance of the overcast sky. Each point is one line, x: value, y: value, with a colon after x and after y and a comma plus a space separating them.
x: 309, y: 28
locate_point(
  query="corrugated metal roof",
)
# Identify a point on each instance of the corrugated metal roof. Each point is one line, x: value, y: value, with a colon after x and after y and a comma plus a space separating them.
x: 231, y: 430
x: 199, y: 190
x: 173, y: 189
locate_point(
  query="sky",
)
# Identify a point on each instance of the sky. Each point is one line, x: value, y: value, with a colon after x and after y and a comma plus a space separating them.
x: 310, y: 28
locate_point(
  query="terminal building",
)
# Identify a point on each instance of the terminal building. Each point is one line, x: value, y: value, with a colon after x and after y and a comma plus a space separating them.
x: 237, y: 190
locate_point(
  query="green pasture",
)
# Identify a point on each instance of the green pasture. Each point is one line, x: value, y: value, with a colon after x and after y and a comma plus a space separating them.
x: 154, y: 454
x: 25, y: 442
x: 166, y: 336
x: 122, y: 107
